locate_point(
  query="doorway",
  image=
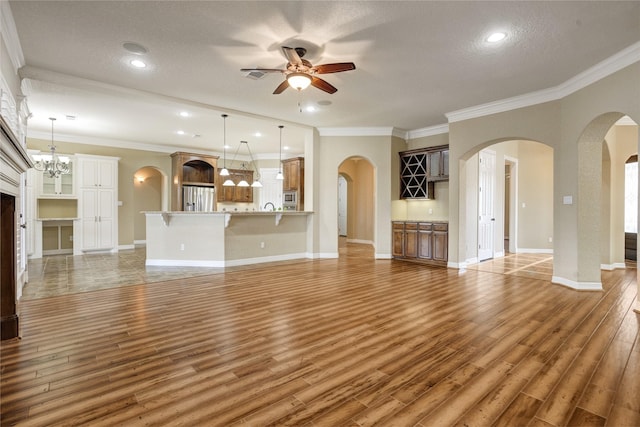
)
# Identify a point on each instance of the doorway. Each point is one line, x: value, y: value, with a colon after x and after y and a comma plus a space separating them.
x: 486, y: 215
x: 148, y: 191
x: 342, y: 206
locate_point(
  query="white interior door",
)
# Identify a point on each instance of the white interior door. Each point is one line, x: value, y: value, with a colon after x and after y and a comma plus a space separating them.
x: 486, y: 192
x: 342, y: 206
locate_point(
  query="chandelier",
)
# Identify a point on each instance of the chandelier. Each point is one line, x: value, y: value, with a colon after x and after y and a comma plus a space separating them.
x: 52, y: 164
x: 243, y: 183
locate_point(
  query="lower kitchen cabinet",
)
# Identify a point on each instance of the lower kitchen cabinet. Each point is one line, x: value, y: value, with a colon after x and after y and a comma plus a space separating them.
x: 421, y: 241
x: 98, y: 222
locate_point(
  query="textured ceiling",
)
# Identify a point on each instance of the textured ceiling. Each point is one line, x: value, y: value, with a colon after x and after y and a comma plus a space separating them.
x: 415, y: 62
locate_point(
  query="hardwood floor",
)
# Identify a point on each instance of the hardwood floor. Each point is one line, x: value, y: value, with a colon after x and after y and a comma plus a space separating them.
x: 351, y: 341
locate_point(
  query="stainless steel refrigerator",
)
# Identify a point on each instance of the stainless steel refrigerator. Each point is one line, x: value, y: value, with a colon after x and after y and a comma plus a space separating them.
x: 198, y: 199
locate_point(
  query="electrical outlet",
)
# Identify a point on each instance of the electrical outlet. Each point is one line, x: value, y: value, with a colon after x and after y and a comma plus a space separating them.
x: 182, y: 246
x: 550, y: 239
x: 261, y: 245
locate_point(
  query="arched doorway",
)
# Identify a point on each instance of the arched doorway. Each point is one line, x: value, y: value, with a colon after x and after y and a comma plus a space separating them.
x: 357, y: 174
x: 149, y: 194
x: 519, y: 204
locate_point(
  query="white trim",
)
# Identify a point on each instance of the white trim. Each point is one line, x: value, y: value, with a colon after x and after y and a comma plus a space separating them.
x: 183, y: 263
x: 125, y: 247
x: 363, y: 131
x: 614, y: 266
x: 383, y: 256
x: 579, y: 286
x: 614, y: 63
x: 360, y: 242
x: 139, y: 243
x: 221, y: 264
x: 499, y: 254
x: 328, y: 255
x: 10, y: 36
x: 534, y: 251
x: 428, y: 131
x: 471, y: 261
x: 458, y: 265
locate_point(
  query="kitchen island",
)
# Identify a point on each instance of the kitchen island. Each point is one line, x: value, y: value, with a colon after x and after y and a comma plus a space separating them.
x: 225, y: 239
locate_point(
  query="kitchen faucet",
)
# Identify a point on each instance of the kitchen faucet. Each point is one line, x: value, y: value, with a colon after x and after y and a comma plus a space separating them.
x: 273, y: 207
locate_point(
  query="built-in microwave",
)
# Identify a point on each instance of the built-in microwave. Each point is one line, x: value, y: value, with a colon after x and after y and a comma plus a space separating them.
x: 290, y: 197
x: 289, y: 200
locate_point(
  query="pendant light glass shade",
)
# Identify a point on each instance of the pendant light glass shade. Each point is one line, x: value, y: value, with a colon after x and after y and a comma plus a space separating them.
x: 224, y: 171
x: 299, y: 81
x: 279, y: 175
x: 243, y: 183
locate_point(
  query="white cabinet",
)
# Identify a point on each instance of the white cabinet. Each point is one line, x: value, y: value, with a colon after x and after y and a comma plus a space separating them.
x: 96, y: 172
x: 98, y: 219
x: 98, y: 202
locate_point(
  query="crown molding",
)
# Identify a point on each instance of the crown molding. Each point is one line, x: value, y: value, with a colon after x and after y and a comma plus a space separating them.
x: 363, y: 131
x: 428, y: 131
x: 614, y: 63
x: 10, y: 35
x: 142, y: 146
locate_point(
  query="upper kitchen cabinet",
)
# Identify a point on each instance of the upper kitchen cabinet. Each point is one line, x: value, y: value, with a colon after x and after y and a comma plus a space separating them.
x: 193, y: 170
x: 420, y: 168
x: 439, y: 164
x: 236, y: 193
x: 413, y: 175
x: 97, y: 171
x: 293, y: 171
x: 60, y: 186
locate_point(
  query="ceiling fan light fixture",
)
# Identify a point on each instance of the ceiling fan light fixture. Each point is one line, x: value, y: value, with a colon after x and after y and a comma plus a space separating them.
x: 299, y: 81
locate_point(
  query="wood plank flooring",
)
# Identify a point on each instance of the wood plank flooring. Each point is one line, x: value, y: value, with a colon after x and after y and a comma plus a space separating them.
x: 346, y: 342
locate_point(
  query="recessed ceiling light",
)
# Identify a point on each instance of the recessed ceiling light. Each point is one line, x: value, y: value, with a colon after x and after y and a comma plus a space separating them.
x: 180, y: 132
x: 496, y: 37
x: 310, y: 109
x: 138, y: 63
x: 257, y: 134
x: 286, y: 147
x: 184, y: 114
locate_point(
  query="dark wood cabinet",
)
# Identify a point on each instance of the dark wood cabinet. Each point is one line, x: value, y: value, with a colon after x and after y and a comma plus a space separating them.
x: 191, y: 169
x: 420, y: 241
x: 235, y: 193
x: 420, y: 169
x: 293, y: 171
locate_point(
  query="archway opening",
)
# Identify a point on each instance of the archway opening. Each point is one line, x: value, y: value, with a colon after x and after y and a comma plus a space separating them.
x: 149, y: 188
x: 358, y: 200
x: 507, y: 200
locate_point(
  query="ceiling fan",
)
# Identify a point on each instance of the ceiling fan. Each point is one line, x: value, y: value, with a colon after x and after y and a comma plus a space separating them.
x: 299, y: 73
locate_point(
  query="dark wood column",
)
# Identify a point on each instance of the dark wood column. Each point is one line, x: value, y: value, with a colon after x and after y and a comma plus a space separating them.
x: 8, y: 312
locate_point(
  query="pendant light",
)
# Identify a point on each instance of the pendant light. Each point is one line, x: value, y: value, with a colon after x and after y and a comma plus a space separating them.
x: 224, y: 171
x: 279, y: 175
x: 243, y: 183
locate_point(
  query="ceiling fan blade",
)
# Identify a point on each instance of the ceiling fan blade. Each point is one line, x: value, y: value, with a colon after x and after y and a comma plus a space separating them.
x: 291, y: 55
x: 281, y: 87
x: 263, y: 70
x: 334, y: 68
x: 322, y: 85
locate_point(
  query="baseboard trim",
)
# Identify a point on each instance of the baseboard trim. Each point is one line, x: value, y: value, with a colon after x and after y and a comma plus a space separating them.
x: 534, y: 251
x: 126, y: 247
x: 578, y: 286
x: 182, y: 263
x: 614, y: 266
x: 361, y: 242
